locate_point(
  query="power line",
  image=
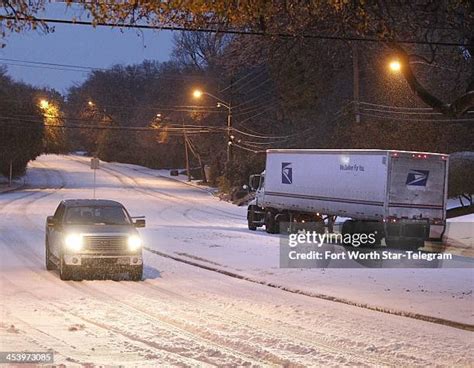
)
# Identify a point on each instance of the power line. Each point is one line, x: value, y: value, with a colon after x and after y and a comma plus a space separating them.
x: 255, y: 77
x: 52, y: 64
x: 172, y: 130
x: 81, y: 68
x: 395, y: 107
x: 418, y: 119
x: 239, y: 80
x: 231, y: 31
x: 273, y: 102
x: 247, y: 149
x: 403, y: 110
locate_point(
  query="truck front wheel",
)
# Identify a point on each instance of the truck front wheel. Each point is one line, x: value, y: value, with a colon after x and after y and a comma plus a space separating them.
x: 251, y: 218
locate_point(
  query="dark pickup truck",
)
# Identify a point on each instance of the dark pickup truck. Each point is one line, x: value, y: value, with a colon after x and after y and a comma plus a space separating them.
x: 93, y: 234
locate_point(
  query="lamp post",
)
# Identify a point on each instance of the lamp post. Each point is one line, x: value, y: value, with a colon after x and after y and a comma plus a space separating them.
x: 220, y: 103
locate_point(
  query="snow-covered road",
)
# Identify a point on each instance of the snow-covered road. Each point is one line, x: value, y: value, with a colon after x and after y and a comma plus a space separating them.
x: 182, y: 315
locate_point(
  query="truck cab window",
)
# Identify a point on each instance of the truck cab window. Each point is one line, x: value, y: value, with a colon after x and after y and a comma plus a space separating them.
x: 262, y: 181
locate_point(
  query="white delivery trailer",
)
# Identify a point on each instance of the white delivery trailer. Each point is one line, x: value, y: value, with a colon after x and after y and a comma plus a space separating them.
x: 397, y: 193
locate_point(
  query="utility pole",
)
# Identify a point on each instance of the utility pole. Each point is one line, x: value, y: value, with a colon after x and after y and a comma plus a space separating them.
x: 229, y: 141
x: 229, y: 124
x: 10, y: 178
x: 355, y: 68
x: 186, y: 154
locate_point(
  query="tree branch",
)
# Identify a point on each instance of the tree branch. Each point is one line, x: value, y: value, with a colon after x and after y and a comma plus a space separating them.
x: 457, y: 108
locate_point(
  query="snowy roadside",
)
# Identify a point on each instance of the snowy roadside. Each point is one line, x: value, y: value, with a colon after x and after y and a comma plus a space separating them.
x: 165, y: 173
x: 460, y: 232
x: 5, y: 188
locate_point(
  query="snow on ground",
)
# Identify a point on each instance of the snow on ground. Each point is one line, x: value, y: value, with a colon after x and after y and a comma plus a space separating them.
x: 460, y: 231
x: 187, y: 316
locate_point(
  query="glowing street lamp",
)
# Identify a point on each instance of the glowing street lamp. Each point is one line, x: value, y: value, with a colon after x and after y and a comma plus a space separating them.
x: 197, y: 93
x: 395, y: 66
x: 44, y: 104
x: 90, y: 103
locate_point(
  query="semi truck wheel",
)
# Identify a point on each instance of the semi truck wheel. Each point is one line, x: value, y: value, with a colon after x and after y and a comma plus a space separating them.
x: 348, y: 227
x: 270, y: 222
x: 251, y: 218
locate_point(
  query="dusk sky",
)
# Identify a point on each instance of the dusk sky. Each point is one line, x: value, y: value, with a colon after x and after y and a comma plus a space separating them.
x: 80, y: 46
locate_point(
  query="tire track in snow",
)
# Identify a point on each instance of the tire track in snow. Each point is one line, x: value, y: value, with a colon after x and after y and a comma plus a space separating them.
x: 316, y: 343
x: 172, y: 325
x: 140, y: 344
x: 37, y: 189
x: 417, y: 316
x: 172, y: 197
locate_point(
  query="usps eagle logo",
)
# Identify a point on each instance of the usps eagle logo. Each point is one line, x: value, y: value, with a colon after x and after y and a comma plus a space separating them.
x: 286, y: 173
x: 417, y: 178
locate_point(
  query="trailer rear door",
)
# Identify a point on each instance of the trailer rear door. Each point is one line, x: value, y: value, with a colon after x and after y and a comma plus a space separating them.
x: 417, y: 186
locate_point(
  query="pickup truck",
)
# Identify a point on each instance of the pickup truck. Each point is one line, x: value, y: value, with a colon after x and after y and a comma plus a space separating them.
x: 93, y: 234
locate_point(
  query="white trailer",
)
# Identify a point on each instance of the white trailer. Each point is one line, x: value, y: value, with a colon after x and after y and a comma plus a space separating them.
x: 402, y: 192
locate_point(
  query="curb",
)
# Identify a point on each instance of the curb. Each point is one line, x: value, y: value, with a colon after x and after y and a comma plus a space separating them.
x: 13, y: 189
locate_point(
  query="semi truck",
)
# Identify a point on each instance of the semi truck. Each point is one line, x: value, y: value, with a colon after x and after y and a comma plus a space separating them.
x: 396, y: 194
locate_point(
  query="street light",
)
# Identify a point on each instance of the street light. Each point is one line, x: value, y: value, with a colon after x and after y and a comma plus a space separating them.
x: 44, y: 104
x: 395, y: 66
x: 90, y: 103
x: 198, y: 94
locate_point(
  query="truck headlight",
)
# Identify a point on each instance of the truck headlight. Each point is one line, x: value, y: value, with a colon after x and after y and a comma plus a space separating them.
x: 134, y: 242
x: 74, y: 242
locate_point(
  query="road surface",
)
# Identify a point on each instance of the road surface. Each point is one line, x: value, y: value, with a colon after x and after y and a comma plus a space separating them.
x: 183, y: 315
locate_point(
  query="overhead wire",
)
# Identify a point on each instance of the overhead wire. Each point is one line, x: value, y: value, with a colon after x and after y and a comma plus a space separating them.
x: 235, y: 83
x: 232, y: 31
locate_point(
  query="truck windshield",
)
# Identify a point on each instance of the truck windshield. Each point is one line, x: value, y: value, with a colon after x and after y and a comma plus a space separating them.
x: 88, y: 215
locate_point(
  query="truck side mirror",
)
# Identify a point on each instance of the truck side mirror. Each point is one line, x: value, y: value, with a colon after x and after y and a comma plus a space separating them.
x: 50, y: 221
x: 139, y: 222
x: 254, y: 181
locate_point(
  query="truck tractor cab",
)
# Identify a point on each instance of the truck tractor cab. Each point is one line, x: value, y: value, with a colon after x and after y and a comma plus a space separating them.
x: 255, y: 213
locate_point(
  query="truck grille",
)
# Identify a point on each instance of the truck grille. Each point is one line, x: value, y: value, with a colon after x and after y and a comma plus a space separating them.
x: 105, y: 243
